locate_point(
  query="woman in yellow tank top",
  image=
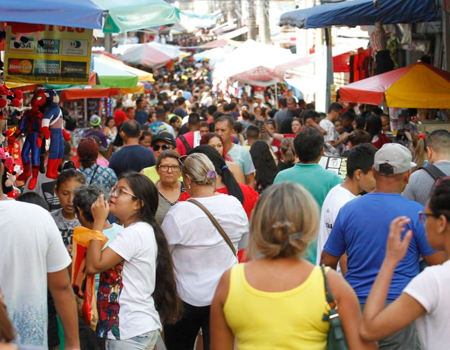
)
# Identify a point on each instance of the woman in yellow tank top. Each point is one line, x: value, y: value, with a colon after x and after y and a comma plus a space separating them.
x: 277, y: 301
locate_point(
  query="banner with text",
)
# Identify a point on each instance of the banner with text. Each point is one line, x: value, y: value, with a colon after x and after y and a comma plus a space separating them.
x: 57, y: 54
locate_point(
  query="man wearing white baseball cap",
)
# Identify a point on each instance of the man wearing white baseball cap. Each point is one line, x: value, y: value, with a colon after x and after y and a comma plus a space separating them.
x: 361, y: 230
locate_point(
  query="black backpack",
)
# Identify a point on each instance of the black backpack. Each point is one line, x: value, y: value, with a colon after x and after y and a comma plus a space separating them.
x: 437, y: 174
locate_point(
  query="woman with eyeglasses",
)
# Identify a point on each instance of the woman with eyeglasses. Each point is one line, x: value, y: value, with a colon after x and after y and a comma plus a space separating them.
x: 160, y: 143
x: 137, y: 291
x: 169, y: 186
x: 426, y: 299
x: 200, y: 252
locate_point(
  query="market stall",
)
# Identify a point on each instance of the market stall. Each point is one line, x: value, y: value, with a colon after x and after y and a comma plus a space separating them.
x: 417, y: 86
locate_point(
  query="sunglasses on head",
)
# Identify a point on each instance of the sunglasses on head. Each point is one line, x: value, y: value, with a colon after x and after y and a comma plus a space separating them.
x: 163, y: 147
x: 182, y: 159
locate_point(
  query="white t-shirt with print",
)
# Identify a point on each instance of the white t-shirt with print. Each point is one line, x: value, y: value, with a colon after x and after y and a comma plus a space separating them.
x: 29, y: 249
x: 431, y: 289
x: 328, y: 126
x: 334, y: 201
x: 137, y: 314
x: 199, y: 252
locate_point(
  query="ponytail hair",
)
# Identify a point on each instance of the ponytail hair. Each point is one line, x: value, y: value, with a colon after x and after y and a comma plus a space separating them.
x: 287, y: 150
x: 420, y: 150
x: 167, y: 301
x: 221, y: 168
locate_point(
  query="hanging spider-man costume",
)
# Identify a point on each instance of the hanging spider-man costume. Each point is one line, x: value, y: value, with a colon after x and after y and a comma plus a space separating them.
x: 31, y: 125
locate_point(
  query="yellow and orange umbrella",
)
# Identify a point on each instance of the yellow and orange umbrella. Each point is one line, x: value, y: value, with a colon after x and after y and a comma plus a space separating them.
x: 417, y: 86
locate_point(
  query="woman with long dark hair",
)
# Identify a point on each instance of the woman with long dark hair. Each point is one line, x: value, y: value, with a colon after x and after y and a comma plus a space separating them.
x: 373, y: 127
x: 226, y: 183
x: 265, y: 166
x: 137, y: 291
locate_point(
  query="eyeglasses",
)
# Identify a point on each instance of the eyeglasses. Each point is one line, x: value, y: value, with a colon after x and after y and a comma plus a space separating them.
x: 173, y: 168
x: 423, y: 216
x: 117, y: 191
x: 163, y: 147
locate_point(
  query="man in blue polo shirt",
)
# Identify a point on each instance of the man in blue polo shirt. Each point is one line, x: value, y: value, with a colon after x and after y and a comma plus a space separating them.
x: 361, y: 230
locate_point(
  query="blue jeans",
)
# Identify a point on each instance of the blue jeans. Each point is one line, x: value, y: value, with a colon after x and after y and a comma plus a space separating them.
x: 146, y: 341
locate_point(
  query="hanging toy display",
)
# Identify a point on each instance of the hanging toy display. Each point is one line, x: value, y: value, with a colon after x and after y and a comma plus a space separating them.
x: 52, y: 128
x: 22, y: 31
x: 9, y: 100
x: 9, y: 175
x: 30, y: 125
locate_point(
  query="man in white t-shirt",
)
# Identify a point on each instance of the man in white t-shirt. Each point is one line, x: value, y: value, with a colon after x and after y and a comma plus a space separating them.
x: 33, y: 257
x: 359, y: 179
x: 334, y: 112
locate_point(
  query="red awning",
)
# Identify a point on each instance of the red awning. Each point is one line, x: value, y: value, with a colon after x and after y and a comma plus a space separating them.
x: 76, y: 94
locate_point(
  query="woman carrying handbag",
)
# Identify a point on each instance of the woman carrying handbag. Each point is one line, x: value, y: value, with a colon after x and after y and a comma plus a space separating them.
x: 204, y: 233
x: 279, y: 300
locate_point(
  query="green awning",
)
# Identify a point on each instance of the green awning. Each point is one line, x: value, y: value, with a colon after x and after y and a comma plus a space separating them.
x: 111, y: 76
x: 128, y: 15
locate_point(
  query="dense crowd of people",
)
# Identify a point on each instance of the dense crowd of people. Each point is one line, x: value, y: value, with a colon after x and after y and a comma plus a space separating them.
x: 207, y: 217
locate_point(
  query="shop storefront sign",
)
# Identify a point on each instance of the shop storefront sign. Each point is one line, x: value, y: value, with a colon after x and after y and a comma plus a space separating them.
x: 62, y: 55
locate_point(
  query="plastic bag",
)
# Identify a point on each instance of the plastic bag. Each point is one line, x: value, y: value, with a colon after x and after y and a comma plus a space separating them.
x: 84, y: 285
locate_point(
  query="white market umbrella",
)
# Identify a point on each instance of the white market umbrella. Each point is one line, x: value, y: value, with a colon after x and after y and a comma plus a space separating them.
x: 255, y: 63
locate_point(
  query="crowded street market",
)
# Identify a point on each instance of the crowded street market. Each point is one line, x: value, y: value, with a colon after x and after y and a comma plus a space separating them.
x: 221, y: 175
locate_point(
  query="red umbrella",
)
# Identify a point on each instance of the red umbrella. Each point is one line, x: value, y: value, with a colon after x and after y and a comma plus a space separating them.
x: 417, y: 86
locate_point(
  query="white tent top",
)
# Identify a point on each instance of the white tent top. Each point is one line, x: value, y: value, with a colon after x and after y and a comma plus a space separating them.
x: 255, y: 63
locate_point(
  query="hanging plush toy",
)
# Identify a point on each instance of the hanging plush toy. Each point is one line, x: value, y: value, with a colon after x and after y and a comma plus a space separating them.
x: 8, y: 100
x: 30, y: 125
x: 22, y: 30
x: 52, y: 128
x: 9, y: 175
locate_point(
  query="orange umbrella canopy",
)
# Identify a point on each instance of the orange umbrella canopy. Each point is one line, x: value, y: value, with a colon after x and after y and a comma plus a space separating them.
x: 417, y: 86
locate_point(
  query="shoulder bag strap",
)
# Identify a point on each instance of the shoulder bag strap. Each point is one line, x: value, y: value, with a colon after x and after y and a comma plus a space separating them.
x: 93, y: 174
x: 330, y: 299
x: 433, y: 171
x: 336, y: 335
x: 186, y: 144
x: 215, y: 223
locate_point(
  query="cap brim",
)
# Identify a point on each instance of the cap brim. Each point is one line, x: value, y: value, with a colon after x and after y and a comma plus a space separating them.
x: 413, y: 165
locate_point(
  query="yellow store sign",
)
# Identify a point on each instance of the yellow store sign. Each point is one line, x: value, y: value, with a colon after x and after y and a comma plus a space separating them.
x: 62, y: 55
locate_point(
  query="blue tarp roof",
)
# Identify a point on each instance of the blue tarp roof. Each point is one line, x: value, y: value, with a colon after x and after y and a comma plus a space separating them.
x: 362, y: 12
x: 71, y: 13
